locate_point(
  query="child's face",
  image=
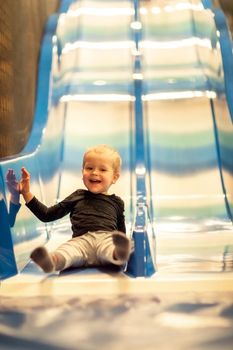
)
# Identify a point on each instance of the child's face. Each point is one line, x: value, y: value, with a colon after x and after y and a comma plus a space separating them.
x: 98, y: 172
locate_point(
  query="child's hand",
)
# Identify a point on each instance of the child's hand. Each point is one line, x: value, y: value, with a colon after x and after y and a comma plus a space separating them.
x: 13, y: 186
x: 12, y: 183
x: 24, y: 185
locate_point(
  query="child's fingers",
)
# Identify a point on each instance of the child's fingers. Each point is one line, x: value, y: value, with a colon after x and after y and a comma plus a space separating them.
x: 10, y: 176
x: 9, y: 173
x: 25, y: 173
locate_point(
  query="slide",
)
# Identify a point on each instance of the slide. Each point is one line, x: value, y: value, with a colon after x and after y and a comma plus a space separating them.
x: 153, y: 79
x: 162, y: 98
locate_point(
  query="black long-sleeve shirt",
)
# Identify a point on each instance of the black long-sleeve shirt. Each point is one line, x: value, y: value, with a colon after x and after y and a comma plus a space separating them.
x: 88, y: 212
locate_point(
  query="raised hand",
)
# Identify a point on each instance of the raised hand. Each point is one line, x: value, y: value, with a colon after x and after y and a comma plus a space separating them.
x: 24, y: 184
x: 12, y: 183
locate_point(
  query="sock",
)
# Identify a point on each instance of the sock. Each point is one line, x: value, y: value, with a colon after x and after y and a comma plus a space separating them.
x: 42, y: 258
x: 122, y: 246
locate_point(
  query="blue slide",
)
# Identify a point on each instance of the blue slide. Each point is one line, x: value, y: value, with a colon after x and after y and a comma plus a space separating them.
x: 155, y: 82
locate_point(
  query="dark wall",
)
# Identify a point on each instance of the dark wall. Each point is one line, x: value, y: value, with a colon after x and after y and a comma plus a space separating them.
x: 21, y: 30
x: 227, y: 7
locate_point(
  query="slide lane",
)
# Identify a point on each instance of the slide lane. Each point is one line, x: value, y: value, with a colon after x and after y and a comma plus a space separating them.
x: 188, y: 130
x: 90, y: 101
x: 97, y: 90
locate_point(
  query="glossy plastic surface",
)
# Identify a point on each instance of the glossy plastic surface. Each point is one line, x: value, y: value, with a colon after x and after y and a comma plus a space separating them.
x: 156, y: 95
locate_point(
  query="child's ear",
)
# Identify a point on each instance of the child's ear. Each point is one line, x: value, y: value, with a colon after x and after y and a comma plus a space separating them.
x: 115, y: 178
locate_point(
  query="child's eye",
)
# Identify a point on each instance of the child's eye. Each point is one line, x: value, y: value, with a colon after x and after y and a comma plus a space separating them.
x: 88, y: 168
x: 103, y: 169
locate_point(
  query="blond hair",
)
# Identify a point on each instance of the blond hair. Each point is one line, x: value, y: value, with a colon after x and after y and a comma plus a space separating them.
x: 108, y: 150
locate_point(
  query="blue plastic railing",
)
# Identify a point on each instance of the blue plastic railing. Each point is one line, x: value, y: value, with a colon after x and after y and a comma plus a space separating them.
x: 141, y: 262
x: 226, y: 47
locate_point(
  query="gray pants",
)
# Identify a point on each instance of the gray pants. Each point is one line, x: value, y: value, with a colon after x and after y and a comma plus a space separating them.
x: 90, y: 249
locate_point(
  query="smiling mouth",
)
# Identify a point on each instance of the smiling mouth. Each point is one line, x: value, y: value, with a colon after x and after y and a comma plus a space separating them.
x: 95, y: 181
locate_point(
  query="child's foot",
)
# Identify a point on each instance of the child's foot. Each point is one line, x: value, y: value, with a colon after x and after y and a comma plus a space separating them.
x: 42, y: 258
x: 122, y: 246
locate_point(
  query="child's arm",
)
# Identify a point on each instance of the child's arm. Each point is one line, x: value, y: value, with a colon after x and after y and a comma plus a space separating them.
x: 40, y: 210
x: 24, y: 186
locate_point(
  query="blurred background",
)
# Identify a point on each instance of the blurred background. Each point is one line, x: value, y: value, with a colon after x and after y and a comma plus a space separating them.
x: 21, y: 30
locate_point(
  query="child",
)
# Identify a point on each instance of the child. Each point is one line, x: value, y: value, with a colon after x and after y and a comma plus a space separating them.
x: 97, y: 218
